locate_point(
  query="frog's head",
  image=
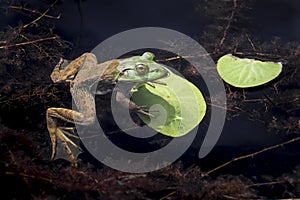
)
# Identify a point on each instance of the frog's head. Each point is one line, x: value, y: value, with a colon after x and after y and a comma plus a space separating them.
x: 141, y: 69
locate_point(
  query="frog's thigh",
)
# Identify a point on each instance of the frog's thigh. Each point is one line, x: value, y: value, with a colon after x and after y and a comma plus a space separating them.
x: 73, y: 67
x: 70, y: 115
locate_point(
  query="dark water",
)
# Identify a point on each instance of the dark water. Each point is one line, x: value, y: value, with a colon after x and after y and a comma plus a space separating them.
x: 89, y: 23
x: 277, y: 18
x: 96, y: 21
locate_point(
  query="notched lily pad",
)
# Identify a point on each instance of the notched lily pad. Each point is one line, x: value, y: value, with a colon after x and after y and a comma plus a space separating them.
x: 244, y: 72
x: 178, y: 106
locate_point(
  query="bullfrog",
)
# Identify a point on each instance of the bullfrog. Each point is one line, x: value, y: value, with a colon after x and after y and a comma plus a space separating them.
x: 137, y: 70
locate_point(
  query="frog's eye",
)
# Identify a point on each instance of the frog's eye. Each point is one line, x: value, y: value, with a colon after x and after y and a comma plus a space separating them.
x: 141, y: 69
x: 148, y: 56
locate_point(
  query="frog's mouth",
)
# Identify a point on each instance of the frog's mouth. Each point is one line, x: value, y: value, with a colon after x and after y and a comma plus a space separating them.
x: 126, y: 75
x: 151, y: 83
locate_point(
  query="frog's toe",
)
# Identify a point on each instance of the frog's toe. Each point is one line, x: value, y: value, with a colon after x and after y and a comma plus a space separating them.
x: 66, y: 148
x: 69, y: 131
x: 144, y: 111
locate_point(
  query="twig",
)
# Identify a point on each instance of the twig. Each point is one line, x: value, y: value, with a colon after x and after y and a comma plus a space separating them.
x: 273, y: 183
x: 251, y: 155
x: 41, y: 16
x: 254, y: 100
x: 222, y: 107
x: 28, y: 176
x: 230, y: 19
x: 36, y: 93
x: 11, y: 155
x: 55, y: 181
x: 168, y: 195
x: 258, y: 54
x: 124, y: 177
x: 28, y: 42
x: 250, y: 41
x: 184, y: 57
x: 32, y: 11
x: 39, y: 47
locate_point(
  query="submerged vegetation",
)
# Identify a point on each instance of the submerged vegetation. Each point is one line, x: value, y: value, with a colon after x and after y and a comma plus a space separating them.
x: 32, y: 47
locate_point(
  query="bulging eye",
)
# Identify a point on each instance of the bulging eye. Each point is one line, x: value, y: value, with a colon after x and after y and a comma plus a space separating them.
x: 141, y: 69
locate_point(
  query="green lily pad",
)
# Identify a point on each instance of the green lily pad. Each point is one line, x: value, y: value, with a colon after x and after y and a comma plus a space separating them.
x: 244, y: 72
x: 177, y: 107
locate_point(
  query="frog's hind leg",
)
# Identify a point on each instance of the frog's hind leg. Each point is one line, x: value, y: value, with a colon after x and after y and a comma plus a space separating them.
x: 62, y: 134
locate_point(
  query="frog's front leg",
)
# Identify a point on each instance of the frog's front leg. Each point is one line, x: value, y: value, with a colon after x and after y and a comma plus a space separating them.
x: 62, y: 75
x: 127, y: 103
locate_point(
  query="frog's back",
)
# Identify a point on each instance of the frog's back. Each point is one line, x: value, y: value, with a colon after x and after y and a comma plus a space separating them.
x: 88, y: 76
x: 92, y: 72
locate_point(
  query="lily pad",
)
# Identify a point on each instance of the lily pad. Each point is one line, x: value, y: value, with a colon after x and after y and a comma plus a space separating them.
x: 177, y: 107
x: 244, y: 72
